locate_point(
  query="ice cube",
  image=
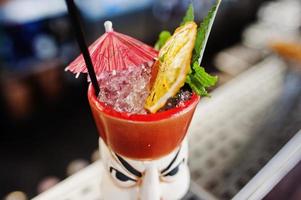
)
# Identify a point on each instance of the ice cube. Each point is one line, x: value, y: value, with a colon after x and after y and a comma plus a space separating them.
x: 125, y: 90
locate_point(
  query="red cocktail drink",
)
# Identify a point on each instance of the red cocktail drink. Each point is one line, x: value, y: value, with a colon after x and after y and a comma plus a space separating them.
x: 145, y: 105
x: 142, y: 136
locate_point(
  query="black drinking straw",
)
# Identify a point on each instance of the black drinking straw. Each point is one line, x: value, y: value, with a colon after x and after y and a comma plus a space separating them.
x: 74, y: 16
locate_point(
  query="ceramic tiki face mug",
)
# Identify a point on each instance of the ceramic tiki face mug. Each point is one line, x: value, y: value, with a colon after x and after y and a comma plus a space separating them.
x: 144, y: 156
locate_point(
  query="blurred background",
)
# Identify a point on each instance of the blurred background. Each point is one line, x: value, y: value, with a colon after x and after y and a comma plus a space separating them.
x: 47, y: 131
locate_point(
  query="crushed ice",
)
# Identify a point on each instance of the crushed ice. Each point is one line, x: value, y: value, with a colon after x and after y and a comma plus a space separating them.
x: 125, y: 90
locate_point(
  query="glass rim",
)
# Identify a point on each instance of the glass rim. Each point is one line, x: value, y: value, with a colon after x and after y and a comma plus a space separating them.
x: 151, y: 117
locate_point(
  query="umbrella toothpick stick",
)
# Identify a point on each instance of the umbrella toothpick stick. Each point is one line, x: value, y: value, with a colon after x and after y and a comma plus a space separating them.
x: 74, y: 16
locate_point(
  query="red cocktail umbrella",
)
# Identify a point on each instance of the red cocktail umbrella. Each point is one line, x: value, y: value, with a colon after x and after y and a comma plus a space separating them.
x: 114, y: 51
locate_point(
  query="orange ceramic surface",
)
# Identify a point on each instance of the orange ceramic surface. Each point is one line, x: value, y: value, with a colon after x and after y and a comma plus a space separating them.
x: 142, y: 137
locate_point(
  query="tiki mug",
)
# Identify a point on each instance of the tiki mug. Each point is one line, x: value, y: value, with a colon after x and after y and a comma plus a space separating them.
x: 144, y: 156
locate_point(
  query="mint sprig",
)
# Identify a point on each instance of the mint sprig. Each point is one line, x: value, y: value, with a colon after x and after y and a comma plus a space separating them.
x: 204, y: 32
x: 198, y: 79
x: 163, y: 37
x: 189, y: 16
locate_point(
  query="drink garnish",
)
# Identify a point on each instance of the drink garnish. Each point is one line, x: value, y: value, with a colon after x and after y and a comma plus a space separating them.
x: 114, y: 51
x: 163, y: 37
x: 189, y: 16
x: 174, y: 64
x: 199, y: 79
x: 169, y: 77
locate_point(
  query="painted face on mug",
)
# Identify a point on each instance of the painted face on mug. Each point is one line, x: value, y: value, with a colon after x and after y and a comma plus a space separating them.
x: 164, y: 179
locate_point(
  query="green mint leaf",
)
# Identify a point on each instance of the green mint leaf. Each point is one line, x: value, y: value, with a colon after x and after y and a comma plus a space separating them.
x: 189, y: 16
x: 203, y: 77
x: 204, y: 32
x: 199, y: 80
x: 196, y: 86
x: 163, y: 37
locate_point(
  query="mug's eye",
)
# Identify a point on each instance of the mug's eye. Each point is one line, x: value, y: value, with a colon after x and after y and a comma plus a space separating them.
x: 173, y: 172
x: 122, y: 179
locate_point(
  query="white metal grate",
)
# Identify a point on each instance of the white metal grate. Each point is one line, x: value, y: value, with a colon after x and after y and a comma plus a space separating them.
x: 229, y: 139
